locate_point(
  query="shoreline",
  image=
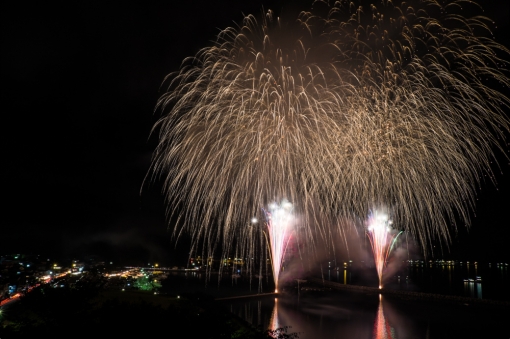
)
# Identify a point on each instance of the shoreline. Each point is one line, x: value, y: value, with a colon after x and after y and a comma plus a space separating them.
x: 411, y: 295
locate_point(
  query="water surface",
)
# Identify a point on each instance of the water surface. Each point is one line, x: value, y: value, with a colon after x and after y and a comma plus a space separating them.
x: 335, y: 314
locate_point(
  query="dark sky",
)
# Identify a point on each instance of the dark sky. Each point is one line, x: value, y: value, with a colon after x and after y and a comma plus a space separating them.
x: 80, y: 81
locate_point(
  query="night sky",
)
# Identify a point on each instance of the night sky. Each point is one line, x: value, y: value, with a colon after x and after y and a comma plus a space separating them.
x: 80, y: 81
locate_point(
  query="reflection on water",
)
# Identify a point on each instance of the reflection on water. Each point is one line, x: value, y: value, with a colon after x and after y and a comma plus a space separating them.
x: 356, y: 315
x: 273, y: 323
x: 326, y: 316
x: 382, y: 329
x: 316, y: 313
x: 442, y: 278
x: 473, y: 288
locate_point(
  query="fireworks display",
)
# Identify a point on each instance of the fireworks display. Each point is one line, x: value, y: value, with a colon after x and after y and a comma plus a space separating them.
x: 381, y: 237
x: 345, y: 107
x: 279, y: 220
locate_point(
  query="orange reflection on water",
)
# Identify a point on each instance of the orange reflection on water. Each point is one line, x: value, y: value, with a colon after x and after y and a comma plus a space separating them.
x: 273, y: 322
x: 382, y: 329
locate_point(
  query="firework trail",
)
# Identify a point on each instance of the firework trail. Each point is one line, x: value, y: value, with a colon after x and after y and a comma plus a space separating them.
x: 346, y: 107
x: 279, y: 220
x: 380, y: 234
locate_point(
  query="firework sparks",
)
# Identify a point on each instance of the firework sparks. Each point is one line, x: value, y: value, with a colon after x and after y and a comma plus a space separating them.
x: 279, y: 220
x: 363, y: 105
x: 380, y: 234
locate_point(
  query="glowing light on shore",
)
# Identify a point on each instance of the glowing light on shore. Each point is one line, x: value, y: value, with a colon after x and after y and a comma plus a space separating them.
x: 279, y: 219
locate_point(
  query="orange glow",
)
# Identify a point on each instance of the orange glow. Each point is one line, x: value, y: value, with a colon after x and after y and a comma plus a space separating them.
x: 273, y: 322
x: 382, y: 329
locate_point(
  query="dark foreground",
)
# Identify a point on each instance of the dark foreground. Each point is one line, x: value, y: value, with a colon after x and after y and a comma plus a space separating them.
x: 321, y: 311
x: 95, y: 307
x: 185, y: 307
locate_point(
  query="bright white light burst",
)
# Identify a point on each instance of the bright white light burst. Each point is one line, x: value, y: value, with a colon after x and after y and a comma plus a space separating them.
x: 380, y: 234
x: 279, y: 219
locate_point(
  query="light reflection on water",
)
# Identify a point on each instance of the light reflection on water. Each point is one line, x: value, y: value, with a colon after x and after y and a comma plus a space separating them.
x: 440, y: 279
x: 337, y: 314
x: 273, y: 323
x: 382, y: 329
x: 333, y: 315
x: 321, y: 318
